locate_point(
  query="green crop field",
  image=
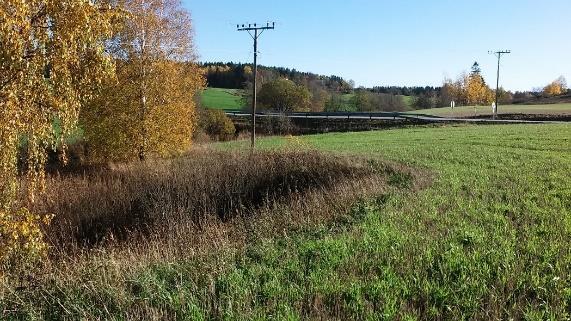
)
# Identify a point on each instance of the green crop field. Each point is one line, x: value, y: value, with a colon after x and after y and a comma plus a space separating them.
x: 219, y: 98
x: 490, y: 238
x: 468, y: 111
x: 486, y: 236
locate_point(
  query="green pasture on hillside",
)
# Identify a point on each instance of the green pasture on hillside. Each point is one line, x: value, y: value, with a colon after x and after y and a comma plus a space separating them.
x: 220, y: 98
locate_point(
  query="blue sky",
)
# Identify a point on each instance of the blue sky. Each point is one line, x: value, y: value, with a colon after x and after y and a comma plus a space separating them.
x: 376, y: 42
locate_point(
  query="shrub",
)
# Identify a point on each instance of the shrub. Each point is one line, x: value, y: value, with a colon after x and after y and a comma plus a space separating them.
x: 423, y: 102
x: 216, y: 124
x: 281, y: 125
x: 283, y: 95
x: 367, y: 101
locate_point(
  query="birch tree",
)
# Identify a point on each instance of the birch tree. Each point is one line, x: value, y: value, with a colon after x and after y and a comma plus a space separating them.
x: 150, y: 108
x: 51, y: 56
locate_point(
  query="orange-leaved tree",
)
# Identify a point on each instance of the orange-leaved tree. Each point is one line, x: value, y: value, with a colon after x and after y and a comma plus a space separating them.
x: 477, y: 91
x: 51, y: 56
x: 468, y: 89
x: 556, y: 88
x: 149, y: 108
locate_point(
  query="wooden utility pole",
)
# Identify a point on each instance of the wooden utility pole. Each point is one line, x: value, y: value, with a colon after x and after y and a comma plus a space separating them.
x: 257, y: 33
x: 498, y: 54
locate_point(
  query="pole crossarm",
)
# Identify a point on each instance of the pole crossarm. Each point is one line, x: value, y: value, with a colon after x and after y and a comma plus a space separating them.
x: 500, y: 52
x: 255, y: 27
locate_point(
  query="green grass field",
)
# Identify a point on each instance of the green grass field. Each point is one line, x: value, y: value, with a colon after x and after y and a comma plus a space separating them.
x: 468, y: 111
x: 219, y: 98
x: 489, y: 239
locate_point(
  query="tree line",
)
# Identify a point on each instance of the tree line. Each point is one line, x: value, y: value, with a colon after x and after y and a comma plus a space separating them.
x: 472, y: 89
x: 332, y: 93
x: 407, y: 91
x: 284, y: 89
x: 238, y: 76
x: 284, y: 95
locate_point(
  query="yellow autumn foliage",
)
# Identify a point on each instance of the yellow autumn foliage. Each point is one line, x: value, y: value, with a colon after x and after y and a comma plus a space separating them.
x: 21, y: 235
x: 556, y: 88
x: 51, y: 56
x: 149, y: 108
x: 469, y: 89
x: 477, y: 92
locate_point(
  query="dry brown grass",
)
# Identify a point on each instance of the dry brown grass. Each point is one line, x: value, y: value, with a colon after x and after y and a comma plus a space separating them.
x: 202, y: 194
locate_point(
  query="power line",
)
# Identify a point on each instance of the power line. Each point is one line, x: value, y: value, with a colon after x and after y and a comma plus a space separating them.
x: 498, y: 54
x: 257, y: 33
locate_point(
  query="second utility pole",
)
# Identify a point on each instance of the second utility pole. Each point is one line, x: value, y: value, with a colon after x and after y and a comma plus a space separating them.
x: 499, y: 54
x: 257, y: 33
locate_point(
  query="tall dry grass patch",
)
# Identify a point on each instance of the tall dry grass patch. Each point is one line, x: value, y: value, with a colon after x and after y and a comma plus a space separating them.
x: 133, y: 204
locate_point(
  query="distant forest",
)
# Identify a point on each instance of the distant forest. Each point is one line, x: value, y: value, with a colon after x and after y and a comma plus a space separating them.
x: 239, y: 76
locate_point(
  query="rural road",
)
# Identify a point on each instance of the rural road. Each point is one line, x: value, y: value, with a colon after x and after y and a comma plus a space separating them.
x: 387, y: 116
